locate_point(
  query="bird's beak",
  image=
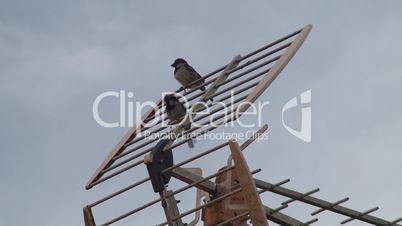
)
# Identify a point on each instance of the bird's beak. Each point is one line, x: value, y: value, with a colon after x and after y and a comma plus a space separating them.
x: 173, y: 65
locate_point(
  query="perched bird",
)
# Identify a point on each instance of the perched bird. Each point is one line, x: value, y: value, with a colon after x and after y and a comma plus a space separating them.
x: 176, y: 112
x: 186, y: 74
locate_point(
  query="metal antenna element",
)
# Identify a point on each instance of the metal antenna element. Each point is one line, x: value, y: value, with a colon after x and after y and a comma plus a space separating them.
x: 230, y: 195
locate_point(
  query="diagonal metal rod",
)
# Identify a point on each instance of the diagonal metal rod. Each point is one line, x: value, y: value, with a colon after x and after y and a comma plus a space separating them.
x: 142, y: 153
x: 149, y: 149
x: 190, y: 131
x: 159, y: 121
x: 395, y: 221
x: 164, y: 171
x: 321, y: 203
x: 235, y: 85
x: 205, y: 205
x: 278, y: 217
x: 301, y: 35
x: 142, y: 161
x: 103, y: 179
x: 278, y: 209
x: 201, y: 93
x: 332, y: 205
x: 114, y: 194
x: 234, y: 76
x: 231, y: 71
x: 209, y: 105
x: 301, y: 196
x: 195, y: 157
x: 275, y: 185
x: 310, y: 221
x: 361, y: 214
x: 167, y: 196
x: 245, y: 57
x: 261, y: 57
x: 272, y: 44
x: 226, y: 97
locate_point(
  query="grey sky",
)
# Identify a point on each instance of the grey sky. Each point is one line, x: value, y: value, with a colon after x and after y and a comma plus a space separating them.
x: 57, y: 56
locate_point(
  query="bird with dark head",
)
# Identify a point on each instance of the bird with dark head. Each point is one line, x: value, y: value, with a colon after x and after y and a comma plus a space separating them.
x: 174, y: 109
x: 186, y: 74
x: 176, y: 112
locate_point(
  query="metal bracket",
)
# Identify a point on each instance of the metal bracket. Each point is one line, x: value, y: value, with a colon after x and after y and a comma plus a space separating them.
x: 157, y: 161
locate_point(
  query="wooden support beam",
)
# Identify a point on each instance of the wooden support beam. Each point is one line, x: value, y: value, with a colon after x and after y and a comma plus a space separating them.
x: 88, y: 217
x: 209, y: 187
x: 249, y: 191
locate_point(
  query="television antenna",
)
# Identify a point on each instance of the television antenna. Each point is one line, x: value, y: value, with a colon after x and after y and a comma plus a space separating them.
x: 233, y: 198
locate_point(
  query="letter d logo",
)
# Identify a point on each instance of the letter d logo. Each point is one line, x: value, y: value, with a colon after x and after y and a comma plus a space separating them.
x: 305, y: 132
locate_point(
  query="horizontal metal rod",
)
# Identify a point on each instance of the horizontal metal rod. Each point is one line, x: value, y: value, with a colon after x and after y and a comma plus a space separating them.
x: 119, y: 192
x: 204, y: 78
x: 361, y: 214
x: 197, y: 119
x: 238, y: 217
x: 241, y: 83
x: 256, y: 171
x: 166, y: 170
x: 171, y: 147
x: 255, y: 136
x: 261, y: 57
x: 225, y: 98
x: 244, y: 57
x: 199, y: 134
x: 235, y: 85
x: 146, y: 151
x: 217, y: 199
x: 159, y: 129
x: 212, y: 112
x: 205, y: 205
x: 142, y: 161
x: 192, y: 98
x: 302, y: 196
x: 395, y: 221
x: 105, y: 178
x: 279, y: 209
x: 275, y: 185
x: 234, y: 70
x: 167, y: 196
x: 332, y: 205
x: 195, y: 157
x: 310, y: 221
x: 272, y: 44
x: 234, y: 77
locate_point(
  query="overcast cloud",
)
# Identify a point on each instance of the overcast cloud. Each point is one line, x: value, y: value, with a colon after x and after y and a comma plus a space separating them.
x: 57, y: 56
